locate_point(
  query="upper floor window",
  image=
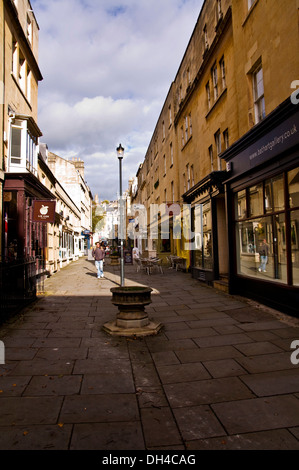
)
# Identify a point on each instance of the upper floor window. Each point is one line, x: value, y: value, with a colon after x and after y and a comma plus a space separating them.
x: 223, y: 74
x: 226, y: 139
x: 170, y: 115
x: 218, y: 147
x: 205, y: 38
x: 208, y: 95
x: 211, y: 157
x: 258, y: 94
x: 182, y: 136
x: 22, y: 149
x: 21, y: 70
x: 29, y: 29
x: 215, y: 81
x: 219, y: 13
x: 186, y: 128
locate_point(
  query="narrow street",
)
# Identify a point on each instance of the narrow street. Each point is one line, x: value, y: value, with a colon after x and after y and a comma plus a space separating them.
x: 218, y: 376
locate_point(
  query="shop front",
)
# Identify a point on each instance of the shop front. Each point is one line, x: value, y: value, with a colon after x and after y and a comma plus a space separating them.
x: 24, y: 242
x: 208, y: 239
x: 263, y: 211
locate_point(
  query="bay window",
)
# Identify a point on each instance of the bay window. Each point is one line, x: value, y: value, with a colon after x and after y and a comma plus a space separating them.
x: 22, y: 149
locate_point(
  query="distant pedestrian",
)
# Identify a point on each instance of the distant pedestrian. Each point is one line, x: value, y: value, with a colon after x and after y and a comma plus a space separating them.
x: 135, y: 254
x: 98, y: 254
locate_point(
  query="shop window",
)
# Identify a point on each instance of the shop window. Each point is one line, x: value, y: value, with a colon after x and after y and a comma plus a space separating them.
x: 270, y: 220
x: 203, y: 253
x: 274, y: 194
x: 261, y: 248
x: 293, y: 181
x: 256, y: 200
x: 241, y: 205
x: 294, y: 246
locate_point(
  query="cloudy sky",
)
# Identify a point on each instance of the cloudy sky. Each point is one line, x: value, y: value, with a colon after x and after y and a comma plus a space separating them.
x: 107, y: 68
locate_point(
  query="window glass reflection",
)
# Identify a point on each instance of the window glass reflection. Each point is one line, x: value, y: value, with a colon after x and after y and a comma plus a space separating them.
x: 256, y: 200
x: 293, y: 180
x: 294, y: 246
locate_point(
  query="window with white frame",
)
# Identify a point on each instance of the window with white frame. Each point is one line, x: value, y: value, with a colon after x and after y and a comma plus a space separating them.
x: 16, y: 143
x: 21, y: 70
x: 15, y: 58
x: 22, y: 149
x: 258, y: 94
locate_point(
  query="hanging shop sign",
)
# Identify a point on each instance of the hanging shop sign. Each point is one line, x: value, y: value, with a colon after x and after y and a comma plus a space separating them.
x: 44, y: 211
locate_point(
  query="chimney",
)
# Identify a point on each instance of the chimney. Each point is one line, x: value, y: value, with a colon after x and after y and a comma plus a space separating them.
x: 79, y: 165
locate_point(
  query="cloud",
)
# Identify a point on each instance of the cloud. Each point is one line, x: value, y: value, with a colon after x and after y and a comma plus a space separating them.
x: 107, y: 68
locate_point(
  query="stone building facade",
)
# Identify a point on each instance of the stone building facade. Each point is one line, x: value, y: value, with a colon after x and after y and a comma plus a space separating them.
x: 238, y: 68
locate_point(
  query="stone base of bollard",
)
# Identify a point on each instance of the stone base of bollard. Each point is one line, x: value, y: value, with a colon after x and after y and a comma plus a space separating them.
x: 132, y: 319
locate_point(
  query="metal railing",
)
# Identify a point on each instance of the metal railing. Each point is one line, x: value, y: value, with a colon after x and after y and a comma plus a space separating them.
x: 20, y: 281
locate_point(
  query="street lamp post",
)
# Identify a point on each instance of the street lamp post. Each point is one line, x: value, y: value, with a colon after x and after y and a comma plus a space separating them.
x: 120, y: 153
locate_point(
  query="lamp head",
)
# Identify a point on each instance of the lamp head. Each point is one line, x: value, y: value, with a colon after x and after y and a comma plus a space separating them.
x: 120, y: 151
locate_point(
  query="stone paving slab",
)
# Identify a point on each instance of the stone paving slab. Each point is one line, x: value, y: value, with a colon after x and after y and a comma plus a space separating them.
x: 206, y: 392
x: 258, y: 414
x: 280, y: 439
x: 218, y: 375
